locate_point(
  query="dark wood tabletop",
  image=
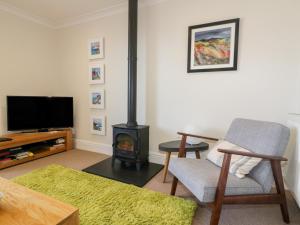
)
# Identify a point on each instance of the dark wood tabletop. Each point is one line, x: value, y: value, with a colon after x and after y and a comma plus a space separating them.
x: 173, y: 146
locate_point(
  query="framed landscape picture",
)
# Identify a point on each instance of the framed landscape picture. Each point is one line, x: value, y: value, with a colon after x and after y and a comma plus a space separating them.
x: 96, y: 73
x: 97, y: 99
x: 96, y: 48
x: 213, y: 46
x: 98, y: 125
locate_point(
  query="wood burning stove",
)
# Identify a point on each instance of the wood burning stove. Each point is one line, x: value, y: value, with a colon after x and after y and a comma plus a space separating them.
x: 130, y: 140
x: 131, y: 144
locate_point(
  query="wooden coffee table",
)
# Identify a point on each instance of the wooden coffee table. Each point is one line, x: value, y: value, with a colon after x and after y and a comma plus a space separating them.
x: 21, y: 205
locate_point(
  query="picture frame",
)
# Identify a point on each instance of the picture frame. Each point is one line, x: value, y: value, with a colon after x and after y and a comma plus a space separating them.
x: 98, y: 125
x: 96, y: 73
x: 213, y: 46
x: 96, y: 48
x: 97, y: 99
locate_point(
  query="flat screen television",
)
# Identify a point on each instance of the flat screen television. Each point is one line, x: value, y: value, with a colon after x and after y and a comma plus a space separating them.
x: 38, y: 113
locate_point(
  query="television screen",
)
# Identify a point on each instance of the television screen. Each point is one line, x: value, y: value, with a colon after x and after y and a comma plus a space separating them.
x: 28, y: 112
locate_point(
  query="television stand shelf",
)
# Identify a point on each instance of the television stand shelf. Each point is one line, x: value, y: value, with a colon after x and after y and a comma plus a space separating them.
x: 21, y: 139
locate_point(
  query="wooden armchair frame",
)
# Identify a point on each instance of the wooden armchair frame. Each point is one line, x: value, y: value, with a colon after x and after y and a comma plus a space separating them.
x: 220, y: 198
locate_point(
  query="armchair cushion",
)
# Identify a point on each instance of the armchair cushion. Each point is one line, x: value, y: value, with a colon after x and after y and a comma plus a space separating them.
x: 201, y: 178
x: 240, y: 165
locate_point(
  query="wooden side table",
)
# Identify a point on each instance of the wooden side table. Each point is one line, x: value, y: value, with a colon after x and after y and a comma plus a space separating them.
x: 173, y: 146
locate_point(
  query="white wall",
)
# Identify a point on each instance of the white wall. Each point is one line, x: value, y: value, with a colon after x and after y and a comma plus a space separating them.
x: 295, y: 102
x: 28, y: 61
x: 73, y: 46
x: 260, y: 89
x: 170, y: 98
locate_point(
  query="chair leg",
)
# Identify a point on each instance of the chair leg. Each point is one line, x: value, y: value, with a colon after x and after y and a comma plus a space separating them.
x: 174, y: 185
x: 217, y: 207
x: 197, y: 153
x: 216, y: 213
x: 276, y: 168
x: 168, y: 155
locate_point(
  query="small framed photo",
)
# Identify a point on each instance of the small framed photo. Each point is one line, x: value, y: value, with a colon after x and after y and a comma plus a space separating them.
x: 96, y: 48
x: 213, y: 46
x: 98, y: 125
x: 96, y: 73
x: 97, y: 99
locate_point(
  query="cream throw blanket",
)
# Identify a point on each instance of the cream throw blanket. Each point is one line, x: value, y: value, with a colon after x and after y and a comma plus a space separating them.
x: 240, y: 165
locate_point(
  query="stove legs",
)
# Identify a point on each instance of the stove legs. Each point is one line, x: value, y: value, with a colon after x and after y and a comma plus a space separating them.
x: 113, y: 159
x: 138, y: 166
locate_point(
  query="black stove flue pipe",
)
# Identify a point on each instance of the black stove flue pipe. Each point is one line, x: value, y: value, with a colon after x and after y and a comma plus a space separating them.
x: 132, y: 62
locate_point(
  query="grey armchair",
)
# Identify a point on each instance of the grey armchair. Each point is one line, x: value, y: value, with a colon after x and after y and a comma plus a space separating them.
x: 212, y: 184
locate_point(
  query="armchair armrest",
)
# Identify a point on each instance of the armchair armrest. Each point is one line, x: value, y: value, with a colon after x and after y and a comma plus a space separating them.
x: 197, y: 136
x: 251, y: 154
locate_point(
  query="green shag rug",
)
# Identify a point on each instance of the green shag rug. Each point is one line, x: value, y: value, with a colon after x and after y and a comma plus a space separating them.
x: 104, y: 201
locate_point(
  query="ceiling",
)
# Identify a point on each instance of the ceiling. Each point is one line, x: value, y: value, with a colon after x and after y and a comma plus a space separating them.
x: 58, y: 12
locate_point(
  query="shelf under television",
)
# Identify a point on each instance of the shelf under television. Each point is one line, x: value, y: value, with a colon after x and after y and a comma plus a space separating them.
x: 40, y: 154
x: 29, y: 138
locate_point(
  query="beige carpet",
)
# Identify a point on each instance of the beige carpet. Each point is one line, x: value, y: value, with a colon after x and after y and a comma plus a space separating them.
x: 231, y: 215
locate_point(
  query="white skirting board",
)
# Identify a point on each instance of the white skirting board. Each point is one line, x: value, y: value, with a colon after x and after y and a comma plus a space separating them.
x: 154, y: 157
x: 93, y: 146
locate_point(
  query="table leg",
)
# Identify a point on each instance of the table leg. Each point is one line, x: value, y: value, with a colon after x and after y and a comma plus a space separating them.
x: 197, y: 153
x: 168, y: 155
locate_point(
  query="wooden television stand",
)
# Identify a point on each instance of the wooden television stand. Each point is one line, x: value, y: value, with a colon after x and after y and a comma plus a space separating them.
x: 22, y: 139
